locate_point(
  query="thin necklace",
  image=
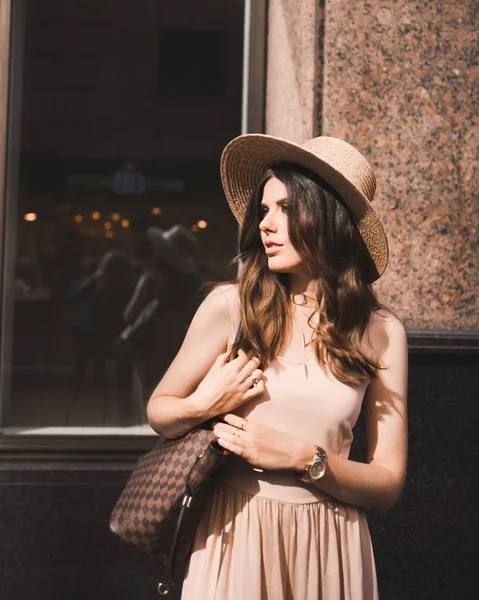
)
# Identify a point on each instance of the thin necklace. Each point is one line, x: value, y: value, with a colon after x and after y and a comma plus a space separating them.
x: 303, y: 340
x: 305, y: 314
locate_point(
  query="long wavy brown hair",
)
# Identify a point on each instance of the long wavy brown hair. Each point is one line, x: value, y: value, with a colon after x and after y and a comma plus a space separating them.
x: 323, y: 233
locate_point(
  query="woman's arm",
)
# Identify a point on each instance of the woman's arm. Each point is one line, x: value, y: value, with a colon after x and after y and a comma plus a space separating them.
x: 375, y: 484
x: 379, y: 482
x: 201, y: 381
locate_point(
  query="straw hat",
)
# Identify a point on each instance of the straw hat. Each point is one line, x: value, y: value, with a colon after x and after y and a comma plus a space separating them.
x: 178, y: 247
x: 246, y: 158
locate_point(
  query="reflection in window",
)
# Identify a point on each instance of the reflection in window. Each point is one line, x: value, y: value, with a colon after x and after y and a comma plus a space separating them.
x: 191, y: 61
x: 96, y: 307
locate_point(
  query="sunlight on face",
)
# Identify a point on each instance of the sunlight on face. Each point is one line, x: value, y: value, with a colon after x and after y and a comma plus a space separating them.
x: 282, y: 256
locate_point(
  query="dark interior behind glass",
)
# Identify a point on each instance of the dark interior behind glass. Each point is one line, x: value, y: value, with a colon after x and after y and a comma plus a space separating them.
x: 123, y: 111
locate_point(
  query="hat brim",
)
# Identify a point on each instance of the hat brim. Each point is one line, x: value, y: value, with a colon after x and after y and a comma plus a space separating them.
x: 164, y: 250
x: 245, y: 160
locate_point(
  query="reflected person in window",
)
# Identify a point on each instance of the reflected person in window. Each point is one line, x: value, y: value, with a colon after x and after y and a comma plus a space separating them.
x: 285, y: 520
x: 112, y: 287
x: 171, y: 276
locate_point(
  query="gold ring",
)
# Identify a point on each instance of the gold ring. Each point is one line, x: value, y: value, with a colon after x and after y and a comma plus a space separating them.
x: 244, y: 422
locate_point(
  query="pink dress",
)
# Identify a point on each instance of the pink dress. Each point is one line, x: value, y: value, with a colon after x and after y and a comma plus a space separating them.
x: 268, y: 536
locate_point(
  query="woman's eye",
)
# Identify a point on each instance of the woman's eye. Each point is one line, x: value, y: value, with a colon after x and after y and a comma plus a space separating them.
x: 263, y: 211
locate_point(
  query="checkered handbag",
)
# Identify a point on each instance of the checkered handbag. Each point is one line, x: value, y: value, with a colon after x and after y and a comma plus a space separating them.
x: 161, y: 505
x: 159, y: 509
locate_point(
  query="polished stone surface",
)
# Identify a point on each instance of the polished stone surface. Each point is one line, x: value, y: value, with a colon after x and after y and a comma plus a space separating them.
x: 396, y: 78
x: 292, y: 69
x: 55, y: 538
x: 399, y: 85
x: 425, y: 547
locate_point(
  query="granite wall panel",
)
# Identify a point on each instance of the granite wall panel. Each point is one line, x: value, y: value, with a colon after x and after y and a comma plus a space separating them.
x: 55, y: 538
x: 401, y: 84
x: 425, y: 547
x: 399, y: 80
x: 293, y: 68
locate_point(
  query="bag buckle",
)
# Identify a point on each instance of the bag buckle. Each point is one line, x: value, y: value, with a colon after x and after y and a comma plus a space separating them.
x: 163, y: 589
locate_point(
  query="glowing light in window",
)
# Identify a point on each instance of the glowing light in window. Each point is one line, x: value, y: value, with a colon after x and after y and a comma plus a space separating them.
x: 78, y: 218
x: 115, y: 216
x: 96, y: 216
x: 202, y: 224
x: 30, y: 217
x: 156, y: 211
x: 125, y: 223
x: 107, y: 225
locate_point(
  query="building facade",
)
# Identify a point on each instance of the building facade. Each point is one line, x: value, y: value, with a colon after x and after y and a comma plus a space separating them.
x: 112, y: 119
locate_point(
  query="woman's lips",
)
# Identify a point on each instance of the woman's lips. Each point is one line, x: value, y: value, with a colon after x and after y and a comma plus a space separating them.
x: 272, y: 249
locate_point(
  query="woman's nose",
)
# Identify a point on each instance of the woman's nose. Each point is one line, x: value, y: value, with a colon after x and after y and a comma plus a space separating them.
x: 268, y: 223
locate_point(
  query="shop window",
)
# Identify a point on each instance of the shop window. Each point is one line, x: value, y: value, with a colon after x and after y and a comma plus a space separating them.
x: 95, y: 157
x: 191, y: 62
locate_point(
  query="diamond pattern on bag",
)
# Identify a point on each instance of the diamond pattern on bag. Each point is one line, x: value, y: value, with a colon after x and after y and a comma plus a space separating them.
x: 146, y: 512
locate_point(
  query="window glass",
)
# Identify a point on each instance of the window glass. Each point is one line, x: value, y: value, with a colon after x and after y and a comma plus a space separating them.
x: 118, y: 117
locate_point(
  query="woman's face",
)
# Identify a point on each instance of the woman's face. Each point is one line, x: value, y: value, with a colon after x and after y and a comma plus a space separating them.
x: 282, y: 256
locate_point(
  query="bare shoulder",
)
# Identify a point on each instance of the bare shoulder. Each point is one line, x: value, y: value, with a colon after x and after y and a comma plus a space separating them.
x: 385, y: 332
x: 229, y: 291
x: 217, y: 305
x: 226, y: 293
x: 214, y: 301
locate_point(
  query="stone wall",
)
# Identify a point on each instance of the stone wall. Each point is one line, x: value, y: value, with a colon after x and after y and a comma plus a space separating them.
x: 397, y: 80
x: 292, y: 51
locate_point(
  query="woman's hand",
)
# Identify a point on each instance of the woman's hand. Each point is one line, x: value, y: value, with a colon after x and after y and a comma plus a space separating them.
x: 262, y: 446
x: 228, y: 385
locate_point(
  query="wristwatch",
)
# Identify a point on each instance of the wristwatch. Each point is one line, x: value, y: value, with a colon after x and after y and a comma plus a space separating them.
x: 316, y: 467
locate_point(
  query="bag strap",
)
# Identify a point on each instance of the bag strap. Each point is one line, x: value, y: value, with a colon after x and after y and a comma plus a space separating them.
x: 165, y: 586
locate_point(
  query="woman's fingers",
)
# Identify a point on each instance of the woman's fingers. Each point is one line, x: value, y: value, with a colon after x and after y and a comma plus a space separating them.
x: 233, y: 434
x: 240, y: 361
x: 247, y: 365
x: 254, y: 390
x: 222, y: 359
x: 233, y: 382
x: 231, y: 446
x: 243, y: 359
x: 236, y: 421
x: 251, y: 366
x: 229, y: 433
x: 252, y: 379
x: 222, y: 429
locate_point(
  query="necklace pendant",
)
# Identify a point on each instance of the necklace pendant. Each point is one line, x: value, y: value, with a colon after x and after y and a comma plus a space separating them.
x: 305, y: 356
x: 302, y: 299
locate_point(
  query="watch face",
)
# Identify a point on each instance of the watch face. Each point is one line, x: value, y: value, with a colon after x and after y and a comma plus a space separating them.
x: 317, y: 469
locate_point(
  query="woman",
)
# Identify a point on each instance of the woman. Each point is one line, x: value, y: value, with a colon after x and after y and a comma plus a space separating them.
x: 285, y: 521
